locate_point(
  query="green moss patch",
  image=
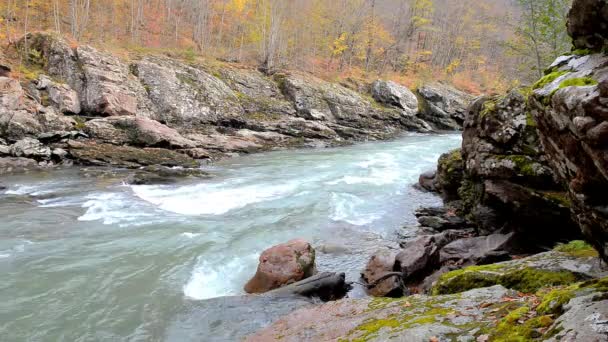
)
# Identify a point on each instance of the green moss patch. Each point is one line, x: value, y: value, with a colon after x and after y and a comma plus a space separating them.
x: 582, y: 52
x: 577, y: 248
x: 527, y: 280
x: 548, y: 79
x: 557, y: 197
x: 530, y: 122
x: 577, y: 82
x: 524, y: 164
x: 262, y: 116
x: 487, y: 108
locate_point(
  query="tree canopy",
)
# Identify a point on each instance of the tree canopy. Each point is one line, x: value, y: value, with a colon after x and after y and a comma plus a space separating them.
x: 483, y: 44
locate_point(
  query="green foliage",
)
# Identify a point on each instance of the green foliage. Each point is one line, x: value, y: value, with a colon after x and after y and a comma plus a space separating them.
x: 541, y: 32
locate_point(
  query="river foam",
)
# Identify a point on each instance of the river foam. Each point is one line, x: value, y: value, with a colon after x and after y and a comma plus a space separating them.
x: 212, y: 279
x: 210, y: 199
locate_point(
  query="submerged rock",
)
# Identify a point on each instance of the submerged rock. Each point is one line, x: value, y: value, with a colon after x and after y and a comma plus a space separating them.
x: 16, y: 165
x: 230, y: 318
x: 282, y: 265
x: 163, y: 175
x: 99, y: 154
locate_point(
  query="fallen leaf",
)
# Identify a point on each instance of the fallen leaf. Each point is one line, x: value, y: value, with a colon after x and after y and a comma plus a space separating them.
x: 485, y: 305
x: 433, y: 339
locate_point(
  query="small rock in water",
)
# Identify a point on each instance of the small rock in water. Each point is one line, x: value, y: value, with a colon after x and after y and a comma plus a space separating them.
x: 332, y: 249
x: 282, y: 265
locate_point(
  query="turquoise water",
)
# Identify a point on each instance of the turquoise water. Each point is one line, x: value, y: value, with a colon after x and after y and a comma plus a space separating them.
x: 91, y: 259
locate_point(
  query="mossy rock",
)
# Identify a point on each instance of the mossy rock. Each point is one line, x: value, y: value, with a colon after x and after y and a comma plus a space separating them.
x: 527, y: 275
x: 548, y: 79
x: 450, y: 172
x: 578, y: 248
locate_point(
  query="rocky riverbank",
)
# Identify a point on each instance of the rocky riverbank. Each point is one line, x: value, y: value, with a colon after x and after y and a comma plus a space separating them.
x: 495, y: 264
x: 80, y: 105
x: 503, y: 260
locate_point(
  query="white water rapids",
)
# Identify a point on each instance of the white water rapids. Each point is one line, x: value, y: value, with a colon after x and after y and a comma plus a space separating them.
x: 91, y: 259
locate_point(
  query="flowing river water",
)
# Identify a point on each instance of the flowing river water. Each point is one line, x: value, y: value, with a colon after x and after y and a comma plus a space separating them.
x: 91, y: 259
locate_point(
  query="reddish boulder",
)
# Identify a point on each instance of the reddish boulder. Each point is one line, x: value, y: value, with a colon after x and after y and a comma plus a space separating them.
x: 282, y: 265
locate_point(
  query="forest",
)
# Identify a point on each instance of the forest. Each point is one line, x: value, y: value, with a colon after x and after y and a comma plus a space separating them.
x: 478, y: 45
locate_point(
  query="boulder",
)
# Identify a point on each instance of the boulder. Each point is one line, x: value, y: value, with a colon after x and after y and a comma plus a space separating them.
x: 64, y: 98
x: 136, y: 131
x: 227, y: 143
x: 325, y: 286
x: 10, y: 165
x: 381, y: 264
x: 17, y: 112
x: 390, y: 93
x: 282, y: 265
x: 104, y: 83
x: 501, y: 177
x: 450, y: 174
x: 92, y: 153
x: 443, y: 106
x: 418, y: 258
x: 186, y: 96
x: 30, y: 148
x: 318, y: 100
x: 527, y: 275
x: 585, y: 318
x: 477, y: 250
x: 426, y: 181
x: 588, y: 24
x: 440, y: 218
x: 259, y: 95
x: 571, y: 113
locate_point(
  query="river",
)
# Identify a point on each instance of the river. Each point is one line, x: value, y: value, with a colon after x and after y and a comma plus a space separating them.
x: 91, y: 259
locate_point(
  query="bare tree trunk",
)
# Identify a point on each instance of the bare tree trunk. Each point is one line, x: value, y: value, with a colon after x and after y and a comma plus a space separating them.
x: 370, y: 38
x: 56, y: 18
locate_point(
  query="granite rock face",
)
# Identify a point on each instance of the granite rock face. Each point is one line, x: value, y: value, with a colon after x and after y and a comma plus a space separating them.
x: 570, y: 105
x: 204, y: 109
x: 588, y: 24
x: 443, y: 106
x: 571, y: 111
